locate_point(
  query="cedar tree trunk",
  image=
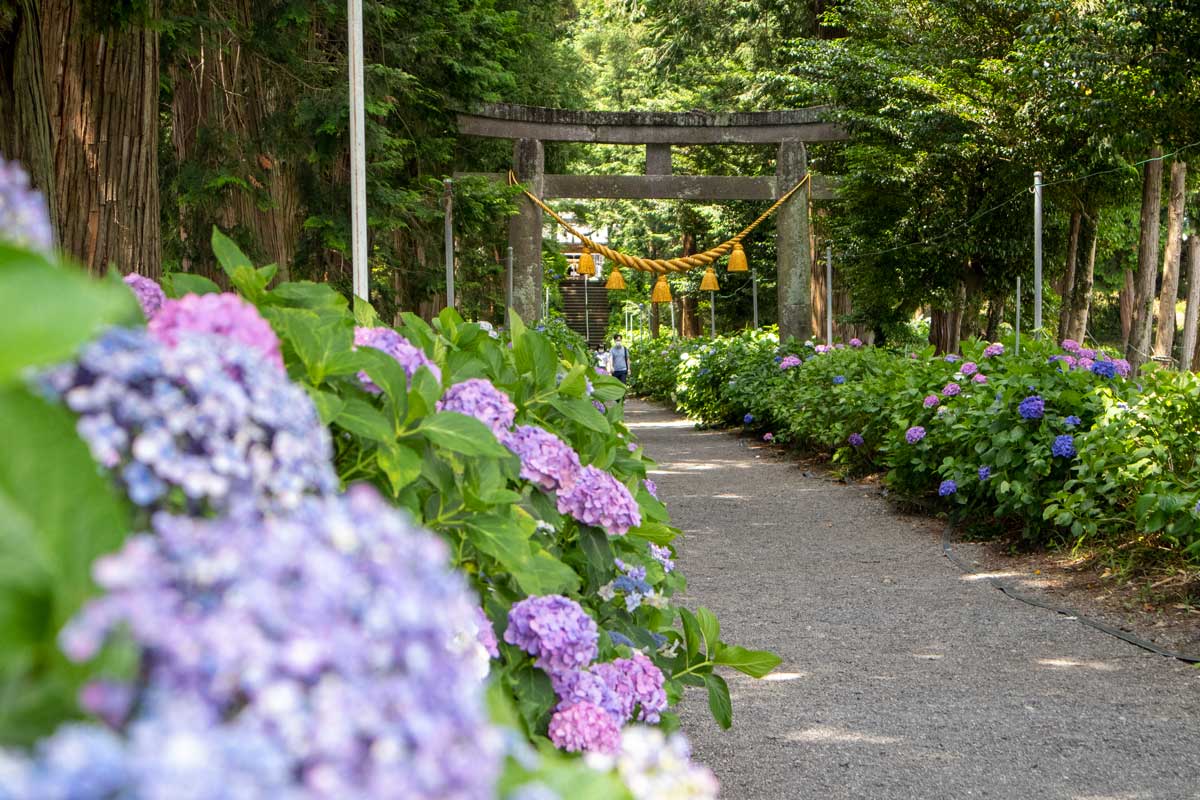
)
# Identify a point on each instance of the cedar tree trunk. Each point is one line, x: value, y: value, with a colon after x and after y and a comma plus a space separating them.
x: 1138, y: 350
x: 1164, y: 339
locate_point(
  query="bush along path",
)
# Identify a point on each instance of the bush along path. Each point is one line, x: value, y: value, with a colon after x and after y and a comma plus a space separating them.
x: 258, y: 544
x: 901, y: 677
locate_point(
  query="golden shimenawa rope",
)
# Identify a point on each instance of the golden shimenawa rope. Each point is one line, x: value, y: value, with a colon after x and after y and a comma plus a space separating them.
x: 660, y: 266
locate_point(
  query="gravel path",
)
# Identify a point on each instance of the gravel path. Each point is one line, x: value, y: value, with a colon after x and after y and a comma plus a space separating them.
x: 901, y: 678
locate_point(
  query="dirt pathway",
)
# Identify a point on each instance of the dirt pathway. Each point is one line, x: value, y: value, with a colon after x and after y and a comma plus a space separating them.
x: 901, y: 678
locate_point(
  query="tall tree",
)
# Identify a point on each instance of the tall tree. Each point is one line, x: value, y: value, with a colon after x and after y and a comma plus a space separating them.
x: 1164, y: 339
x: 1145, y: 282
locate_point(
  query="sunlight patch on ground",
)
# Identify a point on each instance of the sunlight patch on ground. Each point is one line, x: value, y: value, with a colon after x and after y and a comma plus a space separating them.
x: 822, y: 734
x: 672, y: 423
x: 1067, y: 663
x: 929, y: 656
x: 983, y: 576
x: 784, y: 676
x: 729, y: 497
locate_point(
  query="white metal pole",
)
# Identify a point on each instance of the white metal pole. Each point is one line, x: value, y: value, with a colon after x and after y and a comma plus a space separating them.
x: 829, y: 294
x: 673, y: 329
x: 449, y: 245
x: 712, y: 308
x: 754, y: 294
x: 587, y: 314
x: 508, y: 295
x: 358, y: 156
x: 1037, y: 254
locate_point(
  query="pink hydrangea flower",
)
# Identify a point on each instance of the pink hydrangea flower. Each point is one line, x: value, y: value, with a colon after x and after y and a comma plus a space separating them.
x: 931, y: 401
x: 585, y: 727
x: 856, y: 342
x: 223, y: 314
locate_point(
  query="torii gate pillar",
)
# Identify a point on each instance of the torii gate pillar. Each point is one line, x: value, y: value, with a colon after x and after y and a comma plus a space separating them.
x: 793, y: 244
x: 525, y: 230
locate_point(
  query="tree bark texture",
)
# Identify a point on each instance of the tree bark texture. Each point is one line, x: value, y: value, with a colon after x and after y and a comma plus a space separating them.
x: 1164, y: 338
x: 24, y: 119
x: 995, y: 315
x: 945, y: 324
x: 1138, y: 351
x: 793, y: 249
x: 1125, y: 308
x: 1187, y: 349
x: 1067, y: 289
x: 1085, y: 274
x: 102, y: 103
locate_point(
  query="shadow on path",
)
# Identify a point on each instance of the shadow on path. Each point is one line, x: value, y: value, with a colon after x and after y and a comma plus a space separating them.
x: 901, y: 678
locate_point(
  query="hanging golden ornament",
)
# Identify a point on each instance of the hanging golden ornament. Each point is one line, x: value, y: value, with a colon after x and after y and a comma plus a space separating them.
x: 737, y: 259
x: 615, y: 279
x: 709, y: 282
x: 662, y: 292
x: 587, y: 264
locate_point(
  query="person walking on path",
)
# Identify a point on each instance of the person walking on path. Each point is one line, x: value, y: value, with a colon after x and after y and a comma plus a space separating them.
x: 619, y: 358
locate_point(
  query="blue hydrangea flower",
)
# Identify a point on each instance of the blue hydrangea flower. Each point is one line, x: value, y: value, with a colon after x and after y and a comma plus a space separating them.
x: 985, y: 472
x: 947, y: 488
x: 1072, y: 421
x: 1063, y: 447
x: 1104, y: 368
x: 838, y: 380
x: 746, y: 420
x: 1032, y: 407
x: 855, y: 440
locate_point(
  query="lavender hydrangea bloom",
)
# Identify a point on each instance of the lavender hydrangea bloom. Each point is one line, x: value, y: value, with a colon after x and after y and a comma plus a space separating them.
x: 599, y: 499
x: 1104, y: 369
x: 953, y: 358
x: 585, y: 727
x: 225, y: 315
x: 985, y: 472
x: 211, y: 421
x: 326, y: 633
x: 636, y: 683
x: 914, y: 434
x: 1032, y: 407
x: 856, y: 342
x: 546, y: 460
x: 24, y: 216
x: 951, y: 390
x: 408, y: 355
x: 1123, y: 367
x: 478, y: 398
x: 662, y: 554
x: 1063, y: 446
x: 1070, y: 345
x: 555, y: 630
x: 651, y: 487
x: 994, y: 349
x: 969, y: 368
x: 931, y: 401
x: 768, y: 437
x: 855, y: 440
x: 947, y: 488
x: 149, y: 294
x: 789, y: 361
x: 980, y: 378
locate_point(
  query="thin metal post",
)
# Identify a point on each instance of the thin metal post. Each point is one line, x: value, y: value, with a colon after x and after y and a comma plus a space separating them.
x: 712, y: 309
x: 1037, y: 254
x: 358, y: 155
x: 754, y: 293
x: 508, y: 298
x: 674, y: 331
x: 587, y: 314
x: 449, y: 245
x: 1018, y: 347
x: 829, y: 295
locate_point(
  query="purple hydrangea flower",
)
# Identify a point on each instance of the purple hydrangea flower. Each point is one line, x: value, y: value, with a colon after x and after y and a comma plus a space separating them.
x: 1087, y: 352
x: 585, y: 727
x: 636, y: 683
x: 651, y: 487
x: 931, y: 401
x: 175, y: 418
x: 555, y: 630
x: 478, y: 398
x: 1123, y: 367
x: 746, y: 420
x: 856, y: 342
x: 952, y: 358
x: 914, y: 434
x: 487, y: 634
x: 1085, y: 363
x: 149, y: 294
x: 1063, y: 446
x: 855, y: 440
x: 838, y: 380
x: 951, y: 389
x: 985, y: 472
x: 980, y: 378
x: 662, y: 554
x: 822, y: 349
x: 947, y: 488
x: 408, y: 355
x: 1105, y: 369
x: 969, y: 368
x: 24, y: 216
x: 631, y: 447
x: 222, y: 314
x: 1072, y: 421
x: 994, y: 349
x: 324, y: 638
x: 599, y: 499
x: 1070, y: 345
x: 1032, y: 407
x: 768, y: 437
x: 789, y: 361
x: 546, y: 460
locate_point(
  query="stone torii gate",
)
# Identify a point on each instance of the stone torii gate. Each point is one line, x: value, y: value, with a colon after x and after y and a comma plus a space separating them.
x: 530, y: 126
